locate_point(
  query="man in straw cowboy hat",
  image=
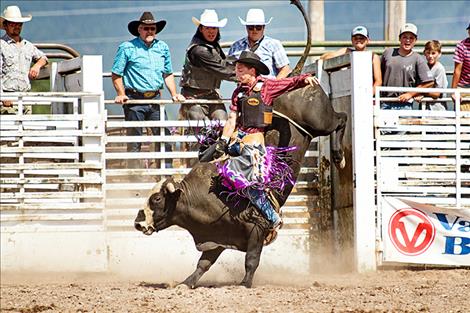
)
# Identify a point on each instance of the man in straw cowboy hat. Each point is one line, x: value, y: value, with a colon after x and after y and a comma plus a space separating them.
x: 270, y: 50
x: 17, y: 54
x: 141, y: 67
x: 204, y: 68
x: 252, y: 169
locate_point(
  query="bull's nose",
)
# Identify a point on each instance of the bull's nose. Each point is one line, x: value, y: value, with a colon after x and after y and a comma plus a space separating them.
x: 138, y: 226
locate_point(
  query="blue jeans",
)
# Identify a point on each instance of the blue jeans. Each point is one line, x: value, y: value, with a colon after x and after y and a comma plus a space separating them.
x: 396, y: 106
x: 139, y: 112
x: 144, y: 112
x: 259, y: 199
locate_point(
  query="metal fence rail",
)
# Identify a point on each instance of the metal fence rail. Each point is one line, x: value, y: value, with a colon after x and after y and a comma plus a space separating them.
x: 45, y: 182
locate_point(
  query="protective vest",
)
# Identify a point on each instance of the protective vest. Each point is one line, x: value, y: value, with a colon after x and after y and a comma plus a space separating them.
x: 254, y: 112
x: 198, y: 77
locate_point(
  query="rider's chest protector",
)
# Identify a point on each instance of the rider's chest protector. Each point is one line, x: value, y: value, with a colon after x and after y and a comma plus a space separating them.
x: 253, y: 111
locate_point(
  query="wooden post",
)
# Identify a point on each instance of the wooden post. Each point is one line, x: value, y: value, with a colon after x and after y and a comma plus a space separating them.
x: 363, y: 161
x: 395, y: 17
x: 316, y: 14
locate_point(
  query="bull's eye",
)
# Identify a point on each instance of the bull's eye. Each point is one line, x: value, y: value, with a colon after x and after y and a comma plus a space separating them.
x: 155, y: 199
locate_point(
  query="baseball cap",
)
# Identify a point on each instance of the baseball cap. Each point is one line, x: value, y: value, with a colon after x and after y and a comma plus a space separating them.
x: 468, y: 27
x: 410, y: 28
x: 360, y: 30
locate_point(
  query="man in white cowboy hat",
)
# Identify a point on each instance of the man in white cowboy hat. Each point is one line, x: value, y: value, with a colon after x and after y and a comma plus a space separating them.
x: 204, y: 68
x: 17, y: 54
x: 270, y: 50
x: 243, y: 133
x: 141, y: 67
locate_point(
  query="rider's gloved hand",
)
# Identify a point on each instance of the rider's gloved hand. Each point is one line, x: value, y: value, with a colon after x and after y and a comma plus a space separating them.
x: 220, y: 148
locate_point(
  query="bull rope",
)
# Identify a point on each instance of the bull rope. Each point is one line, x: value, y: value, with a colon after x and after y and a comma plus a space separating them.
x: 294, y: 123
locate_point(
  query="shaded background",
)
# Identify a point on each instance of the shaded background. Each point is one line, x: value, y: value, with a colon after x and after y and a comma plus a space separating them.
x: 98, y: 27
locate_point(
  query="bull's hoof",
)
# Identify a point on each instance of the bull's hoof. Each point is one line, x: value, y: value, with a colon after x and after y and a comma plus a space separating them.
x: 342, y: 164
x: 338, y: 159
x: 246, y: 284
x: 182, y: 287
x: 270, y: 237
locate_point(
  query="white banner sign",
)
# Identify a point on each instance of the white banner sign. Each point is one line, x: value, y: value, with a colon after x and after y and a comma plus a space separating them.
x: 413, y: 232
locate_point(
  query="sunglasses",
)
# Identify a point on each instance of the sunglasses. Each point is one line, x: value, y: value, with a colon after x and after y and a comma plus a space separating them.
x: 147, y: 28
x: 253, y: 27
x: 14, y: 24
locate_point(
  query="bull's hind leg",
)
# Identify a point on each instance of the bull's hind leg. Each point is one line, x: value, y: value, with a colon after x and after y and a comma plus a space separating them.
x: 205, y: 262
x: 252, y: 257
x: 337, y: 140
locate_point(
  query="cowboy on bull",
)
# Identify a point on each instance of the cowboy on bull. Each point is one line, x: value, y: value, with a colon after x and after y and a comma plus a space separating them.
x: 252, y: 168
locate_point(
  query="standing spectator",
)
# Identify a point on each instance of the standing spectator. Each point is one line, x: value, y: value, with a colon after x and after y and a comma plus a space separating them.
x: 432, y: 52
x: 17, y: 54
x: 141, y: 67
x: 461, y: 77
x: 360, y: 39
x: 270, y: 50
x: 204, y: 68
x: 402, y: 67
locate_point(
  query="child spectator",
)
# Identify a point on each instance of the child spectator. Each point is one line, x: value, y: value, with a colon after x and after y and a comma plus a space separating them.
x: 432, y: 52
x: 402, y: 67
x: 360, y: 39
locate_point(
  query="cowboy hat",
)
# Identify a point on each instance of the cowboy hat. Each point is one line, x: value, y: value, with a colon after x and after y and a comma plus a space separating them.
x: 147, y: 19
x: 209, y: 18
x: 12, y: 13
x: 252, y: 59
x: 255, y: 17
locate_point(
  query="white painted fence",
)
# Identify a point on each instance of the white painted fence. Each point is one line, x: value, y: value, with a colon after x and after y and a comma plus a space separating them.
x: 423, y: 157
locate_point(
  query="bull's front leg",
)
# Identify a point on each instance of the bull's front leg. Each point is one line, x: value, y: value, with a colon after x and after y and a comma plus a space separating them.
x: 205, y: 262
x: 252, y: 258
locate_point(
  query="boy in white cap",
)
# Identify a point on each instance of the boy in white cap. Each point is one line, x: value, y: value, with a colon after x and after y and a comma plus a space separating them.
x: 16, y: 56
x: 360, y: 39
x: 204, y: 68
x: 402, y: 67
x: 270, y: 50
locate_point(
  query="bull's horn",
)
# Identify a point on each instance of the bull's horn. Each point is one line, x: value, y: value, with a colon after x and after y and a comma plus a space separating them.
x: 170, y: 187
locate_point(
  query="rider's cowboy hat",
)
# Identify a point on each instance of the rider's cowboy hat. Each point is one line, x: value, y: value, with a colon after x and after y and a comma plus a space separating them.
x: 12, y: 13
x: 209, y: 18
x: 255, y: 17
x: 252, y: 59
x: 147, y: 19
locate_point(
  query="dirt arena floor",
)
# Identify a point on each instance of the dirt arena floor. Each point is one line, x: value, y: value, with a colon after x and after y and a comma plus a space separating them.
x: 446, y: 291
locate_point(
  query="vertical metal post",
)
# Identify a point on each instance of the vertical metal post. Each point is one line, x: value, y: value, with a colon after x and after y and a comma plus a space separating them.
x: 458, y: 155
x: 363, y: 161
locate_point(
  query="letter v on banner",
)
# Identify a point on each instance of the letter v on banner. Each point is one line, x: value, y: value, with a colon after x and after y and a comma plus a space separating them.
x: 414, y: 232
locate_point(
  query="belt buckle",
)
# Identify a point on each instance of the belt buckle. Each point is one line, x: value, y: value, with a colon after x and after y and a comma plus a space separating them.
x: 149, y: 94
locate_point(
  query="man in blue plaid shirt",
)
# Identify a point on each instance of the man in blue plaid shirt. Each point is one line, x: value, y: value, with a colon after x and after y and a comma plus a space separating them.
x: 270, y: 50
